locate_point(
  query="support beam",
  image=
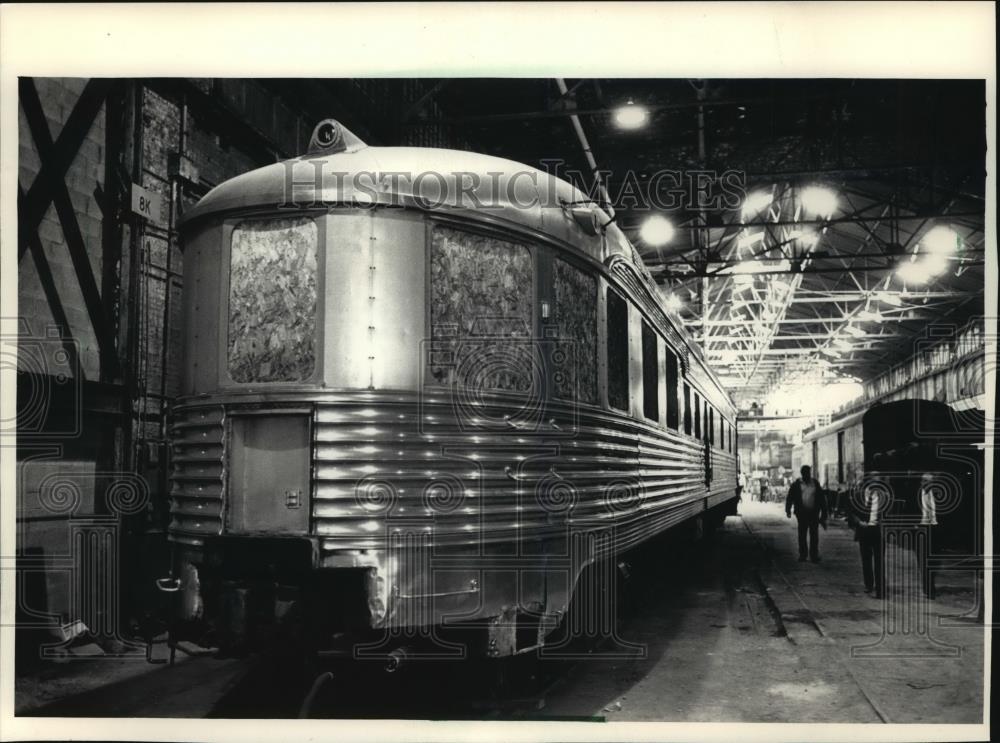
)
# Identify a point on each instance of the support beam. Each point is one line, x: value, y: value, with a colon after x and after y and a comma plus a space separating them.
x: 63, y: 151
x: 58, y: 194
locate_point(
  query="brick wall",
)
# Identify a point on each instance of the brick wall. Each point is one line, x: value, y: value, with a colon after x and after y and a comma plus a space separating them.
x: 58, y: 96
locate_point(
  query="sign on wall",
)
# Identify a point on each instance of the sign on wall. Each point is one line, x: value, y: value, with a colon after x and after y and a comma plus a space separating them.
x: 146, y: 203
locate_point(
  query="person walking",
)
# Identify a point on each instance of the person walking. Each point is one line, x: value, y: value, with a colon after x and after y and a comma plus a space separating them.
x: 864, y: 516
x: 806, y: 499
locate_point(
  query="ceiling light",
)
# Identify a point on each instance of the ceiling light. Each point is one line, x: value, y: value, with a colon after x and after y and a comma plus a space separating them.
x: 819, y: 200
x: 913, y: 273
x: 941, y: 240
x: 673, y: 302
x: 755, y: 202
x: 830, y: 351
x: 656, y: 230
x: 935, y: 264
x: 631, y: 116
x: 869, y: 315
x: 842, y: 344
x: 854, y: 330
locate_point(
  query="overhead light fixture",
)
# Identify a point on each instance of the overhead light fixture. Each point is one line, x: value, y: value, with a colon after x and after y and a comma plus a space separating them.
x: 941, y: 241
x: 854, y: 330
x: 631, y: 116
x: 673, y: 302
x: 819, y: 200
x: 935, y: 264
x: 830, y: 351
x: 913, y: 272
x: 656, y: 230
x: 843, y: 345
x: 756, y: 202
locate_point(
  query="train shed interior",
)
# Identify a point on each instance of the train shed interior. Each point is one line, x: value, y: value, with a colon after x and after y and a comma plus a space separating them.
x: 821, y: 246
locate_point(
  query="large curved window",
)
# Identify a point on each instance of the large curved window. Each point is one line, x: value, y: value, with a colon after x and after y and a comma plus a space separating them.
x: 272, y: 301
x: 481, y: 303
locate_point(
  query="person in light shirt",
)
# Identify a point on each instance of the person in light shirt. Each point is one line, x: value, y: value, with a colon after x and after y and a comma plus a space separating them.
x: 808, y: 500
x: 928, y: 523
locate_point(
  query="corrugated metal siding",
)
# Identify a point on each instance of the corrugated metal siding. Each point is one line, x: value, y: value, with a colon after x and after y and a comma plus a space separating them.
x: 379, y: 457
x: 197, y: 481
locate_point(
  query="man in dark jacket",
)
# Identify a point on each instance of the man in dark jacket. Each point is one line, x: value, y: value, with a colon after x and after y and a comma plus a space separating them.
x: 807, y: 499
x: 867, y: 506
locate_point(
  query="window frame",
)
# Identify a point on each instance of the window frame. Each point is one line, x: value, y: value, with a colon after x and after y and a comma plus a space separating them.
x: 608, y: 292
x: 687, y: 416
x: 553, y: 255
x: 673, y: 412
x: 229, y: 225
x: 650, y: 371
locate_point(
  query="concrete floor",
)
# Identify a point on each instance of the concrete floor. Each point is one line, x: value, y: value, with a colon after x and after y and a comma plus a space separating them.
x: 717, y: 654
x: 734, y: 630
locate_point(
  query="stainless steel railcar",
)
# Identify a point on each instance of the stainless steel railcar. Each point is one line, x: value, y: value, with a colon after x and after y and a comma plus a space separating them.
x: 416, y: 382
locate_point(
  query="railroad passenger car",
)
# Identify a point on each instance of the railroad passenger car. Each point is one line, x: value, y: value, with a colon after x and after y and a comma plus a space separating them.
x: 424, y: 389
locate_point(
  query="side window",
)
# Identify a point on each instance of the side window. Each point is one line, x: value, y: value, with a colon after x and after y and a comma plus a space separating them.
x: 481, y: 304
x: 272, y: 323
x: 697, y: 415
x: 711, y: 424
x: 687, y: 409
x: 650, y: 374
x: 617, y: 328
x: 576, y: 323
x: 672, y: 401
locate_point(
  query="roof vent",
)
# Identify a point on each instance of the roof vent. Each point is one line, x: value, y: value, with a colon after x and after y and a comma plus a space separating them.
x: 330, y: 137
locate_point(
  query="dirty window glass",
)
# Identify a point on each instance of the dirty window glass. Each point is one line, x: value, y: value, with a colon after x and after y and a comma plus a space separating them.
x: 272, y: 301
x: 575, y: 359
x: 481, y: 309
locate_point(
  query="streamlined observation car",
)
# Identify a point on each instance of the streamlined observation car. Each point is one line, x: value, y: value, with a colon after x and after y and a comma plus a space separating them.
x: 416, y: 382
